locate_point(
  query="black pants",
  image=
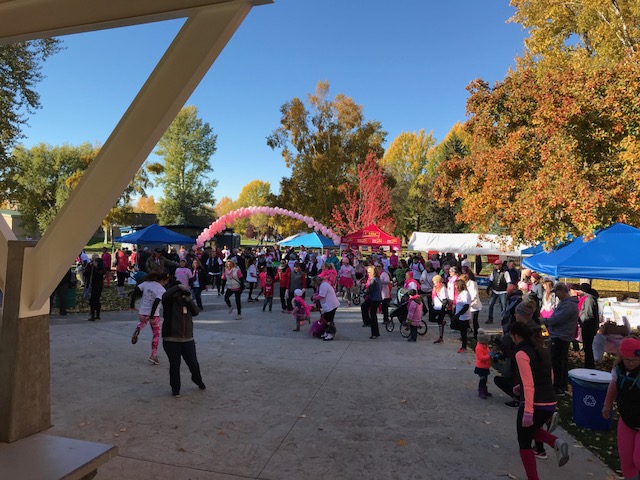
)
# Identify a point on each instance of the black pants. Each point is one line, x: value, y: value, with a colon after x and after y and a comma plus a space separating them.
x: 464, y: 329
x: 186, y: 350
x: 589, y: 331
x: 414, y: 333
x: 505, y: 384
x: 227, y: 297
x: 427, y: 303
x: 476, y: 324
x: 251, y: 287
x: 385, y: 309
x: 94, y: 301
x: 560, y: 362
x: 369, y: 310
x: 284, y: 299
x: 526, y: 434
x: 196, y: 292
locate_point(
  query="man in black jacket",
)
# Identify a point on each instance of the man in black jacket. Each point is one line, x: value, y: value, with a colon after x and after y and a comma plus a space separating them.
x: 177, y: 335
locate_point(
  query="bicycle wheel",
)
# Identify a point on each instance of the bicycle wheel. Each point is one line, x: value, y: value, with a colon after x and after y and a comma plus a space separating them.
x: 356, y: 300
x: 389, y: 326
x: 422, y: 328
x: 405, y: 329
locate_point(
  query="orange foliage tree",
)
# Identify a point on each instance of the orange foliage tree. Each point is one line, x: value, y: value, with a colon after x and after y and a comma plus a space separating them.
x: 554, y: 151
x: 367, y: 201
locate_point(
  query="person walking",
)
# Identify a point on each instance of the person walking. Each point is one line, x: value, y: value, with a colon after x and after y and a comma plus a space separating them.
x: 329, y: 303
x: 151, y: 290
x: 562, y: 326
x: 94, y: 274
x: 232, y: 277
x: 373, y: 299
x: 122, y: 268
x: 534, y: 374
x: 440, y: 302
x: 284, y: 277
x: 198, y: 281
x: 483, y: 363
x: 177, y: 336
x: 462, y: 313
x: 624, y: 389
x: 252, y: 277
x: 498, y: 281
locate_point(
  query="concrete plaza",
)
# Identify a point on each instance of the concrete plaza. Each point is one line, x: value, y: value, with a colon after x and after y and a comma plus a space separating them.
x: 283, y: 405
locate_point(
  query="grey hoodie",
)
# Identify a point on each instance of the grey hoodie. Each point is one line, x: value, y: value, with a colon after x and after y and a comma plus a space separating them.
x: 563, y: 322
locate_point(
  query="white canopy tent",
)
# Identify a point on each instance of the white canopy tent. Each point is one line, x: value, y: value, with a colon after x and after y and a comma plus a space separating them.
x: 464, y: 243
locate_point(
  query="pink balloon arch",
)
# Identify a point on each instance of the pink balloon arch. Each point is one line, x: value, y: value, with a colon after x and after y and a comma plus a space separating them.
x: 229, y: 218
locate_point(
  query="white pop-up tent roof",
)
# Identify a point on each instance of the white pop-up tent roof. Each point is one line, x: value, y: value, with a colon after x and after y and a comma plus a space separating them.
x: 464, y: 243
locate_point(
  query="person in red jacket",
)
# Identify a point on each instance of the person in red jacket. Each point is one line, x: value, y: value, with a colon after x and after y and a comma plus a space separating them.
x: 284, y: 277
x: 483, y: 363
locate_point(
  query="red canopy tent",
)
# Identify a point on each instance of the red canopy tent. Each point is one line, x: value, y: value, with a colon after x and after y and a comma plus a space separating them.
x: 371, y: 236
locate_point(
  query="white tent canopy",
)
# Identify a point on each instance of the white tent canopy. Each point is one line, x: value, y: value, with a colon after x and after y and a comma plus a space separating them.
x: 464, y: 243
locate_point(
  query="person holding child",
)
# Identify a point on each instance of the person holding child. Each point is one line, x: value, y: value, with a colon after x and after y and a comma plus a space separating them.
x: 625, y: 390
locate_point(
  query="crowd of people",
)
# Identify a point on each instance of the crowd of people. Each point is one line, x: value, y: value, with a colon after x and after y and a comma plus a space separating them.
x: 541, y: 319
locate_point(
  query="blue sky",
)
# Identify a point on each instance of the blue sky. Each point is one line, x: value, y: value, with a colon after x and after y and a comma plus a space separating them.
x: 407, y: 62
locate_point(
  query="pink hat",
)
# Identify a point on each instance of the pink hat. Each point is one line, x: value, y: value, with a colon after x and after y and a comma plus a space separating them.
x: 630, y: 347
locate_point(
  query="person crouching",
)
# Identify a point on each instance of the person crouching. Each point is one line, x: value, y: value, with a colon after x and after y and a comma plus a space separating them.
x: 177, y: 335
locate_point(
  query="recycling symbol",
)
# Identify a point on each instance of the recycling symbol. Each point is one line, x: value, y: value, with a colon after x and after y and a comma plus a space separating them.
x: 589, y: 401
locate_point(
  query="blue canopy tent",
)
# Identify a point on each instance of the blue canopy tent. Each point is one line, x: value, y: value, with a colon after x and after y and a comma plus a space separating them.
x: 155, y: 234
x: 611, y: 255
x: 310, y: 240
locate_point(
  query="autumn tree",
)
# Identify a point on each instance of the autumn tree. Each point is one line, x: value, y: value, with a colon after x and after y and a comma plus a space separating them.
x: 604, y: 29
x: 369, y: 201
x: 20, y: 72
x: 406, y: 161
x: 224, y: 206
x: 186, y: 149
x: 321, y: 142
x: 146, y: 205
x: 258, y: 193
x: 554, y: 151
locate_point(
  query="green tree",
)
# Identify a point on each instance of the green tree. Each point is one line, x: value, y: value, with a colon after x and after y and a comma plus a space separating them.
x: 321, y: 144
x: 258, y: 193
x: 186, y: 149
x: 604, y: 29
x: 406, y: 161
x: 42, y: 179
x: 20, y: 72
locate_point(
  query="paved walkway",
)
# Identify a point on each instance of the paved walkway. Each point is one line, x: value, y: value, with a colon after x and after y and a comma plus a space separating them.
x: 283, y: 405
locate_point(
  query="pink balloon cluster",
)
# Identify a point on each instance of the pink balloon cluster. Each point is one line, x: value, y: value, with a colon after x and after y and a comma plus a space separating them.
x: 228, y: 219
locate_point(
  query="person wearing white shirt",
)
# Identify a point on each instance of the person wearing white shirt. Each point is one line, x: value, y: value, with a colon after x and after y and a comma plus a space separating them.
x: 329, y: 303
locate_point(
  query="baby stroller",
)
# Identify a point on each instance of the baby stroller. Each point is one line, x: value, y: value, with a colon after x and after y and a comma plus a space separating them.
x: 401, y: 313
x: 359, y: 288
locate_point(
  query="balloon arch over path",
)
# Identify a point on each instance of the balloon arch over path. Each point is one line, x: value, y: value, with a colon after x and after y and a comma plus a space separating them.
x: 229, y: 218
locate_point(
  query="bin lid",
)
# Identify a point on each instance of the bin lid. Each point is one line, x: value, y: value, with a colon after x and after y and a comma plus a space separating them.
x: 589, y: 375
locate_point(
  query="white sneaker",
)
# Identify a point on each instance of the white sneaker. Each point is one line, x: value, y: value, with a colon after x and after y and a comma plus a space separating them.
x: 329, y: 336
x: 323, y: 335
x: 562, y: 451
x: 553, y: 422
x: 238, y: 317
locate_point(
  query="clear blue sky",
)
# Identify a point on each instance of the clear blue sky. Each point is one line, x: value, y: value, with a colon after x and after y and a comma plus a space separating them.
x: 407, y: 62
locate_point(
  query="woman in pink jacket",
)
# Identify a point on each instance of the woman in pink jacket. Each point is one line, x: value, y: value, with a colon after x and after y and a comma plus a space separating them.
x: 414, y: 314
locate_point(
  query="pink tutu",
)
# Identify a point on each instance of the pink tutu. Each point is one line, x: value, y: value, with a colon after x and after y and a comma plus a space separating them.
x: 346, y: 282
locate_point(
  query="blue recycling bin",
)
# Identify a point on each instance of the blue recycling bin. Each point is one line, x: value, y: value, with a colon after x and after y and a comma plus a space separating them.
x: 589, y: 391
